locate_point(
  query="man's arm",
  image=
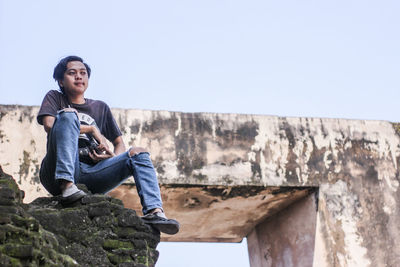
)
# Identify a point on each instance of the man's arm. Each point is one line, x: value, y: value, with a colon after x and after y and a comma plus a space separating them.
x: 119, y: 145
x: 48, y: 122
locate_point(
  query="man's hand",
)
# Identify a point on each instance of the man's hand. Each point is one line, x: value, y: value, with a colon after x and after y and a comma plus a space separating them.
x: 102, y: 150
x: 103, y: 146
x: 105, y: 154
x: 95, y: 132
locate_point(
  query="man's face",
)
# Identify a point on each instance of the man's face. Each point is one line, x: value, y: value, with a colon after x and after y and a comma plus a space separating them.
x: 76, y: 79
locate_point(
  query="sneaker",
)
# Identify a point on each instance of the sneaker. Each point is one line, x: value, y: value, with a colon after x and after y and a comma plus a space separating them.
x: 162, y: 223
x: 68, y: 200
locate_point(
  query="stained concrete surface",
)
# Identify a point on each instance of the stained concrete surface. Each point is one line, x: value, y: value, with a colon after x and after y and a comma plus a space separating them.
x: 354, y: 163
x: 216, y: 213
x: 287, y: 238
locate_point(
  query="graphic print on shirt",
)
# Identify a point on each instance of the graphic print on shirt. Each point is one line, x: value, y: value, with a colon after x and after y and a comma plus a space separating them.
x: 85, y: 119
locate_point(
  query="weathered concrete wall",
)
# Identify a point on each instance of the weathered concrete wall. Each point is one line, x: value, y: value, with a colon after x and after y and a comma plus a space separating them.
x: 286, y: 239
x: 354, y: 164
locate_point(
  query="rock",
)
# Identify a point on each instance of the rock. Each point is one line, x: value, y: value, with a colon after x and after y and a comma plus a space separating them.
x: 97, y: 231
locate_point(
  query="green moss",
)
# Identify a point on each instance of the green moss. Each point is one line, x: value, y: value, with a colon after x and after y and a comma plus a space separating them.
x: 142, y: 260
x: 117, y: 202
x: 17, y: 250
x: 15, y: 262
x: 10, y: 183
x: 124, y: 231
x: 28, y: 223
x: 116, y: 244
x: 48, y: 238
x: 14, y: 233
x: 102, y: 221
x: 117, y: 259
x: 68, y: 260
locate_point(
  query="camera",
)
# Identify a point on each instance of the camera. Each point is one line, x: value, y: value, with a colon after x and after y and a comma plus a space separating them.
x: 87, y: 144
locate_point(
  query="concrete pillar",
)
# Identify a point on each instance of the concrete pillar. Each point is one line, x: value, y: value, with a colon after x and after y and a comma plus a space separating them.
x: 286, y: 238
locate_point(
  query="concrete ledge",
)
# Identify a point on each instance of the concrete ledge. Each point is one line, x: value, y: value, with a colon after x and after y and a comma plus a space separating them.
x: 216, y: 213
x: 354, y: 163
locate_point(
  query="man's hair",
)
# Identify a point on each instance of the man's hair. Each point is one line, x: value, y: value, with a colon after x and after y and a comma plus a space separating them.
x: 61, y: 67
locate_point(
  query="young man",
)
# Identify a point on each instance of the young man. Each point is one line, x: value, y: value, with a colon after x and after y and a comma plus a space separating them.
x: 67, y: 116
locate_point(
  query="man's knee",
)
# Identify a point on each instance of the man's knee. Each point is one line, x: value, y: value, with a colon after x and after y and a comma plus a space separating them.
x: 67, y: 117
x: 136, y: 150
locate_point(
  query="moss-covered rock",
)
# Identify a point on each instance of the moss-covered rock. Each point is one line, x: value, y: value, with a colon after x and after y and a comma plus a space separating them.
x: 116, y: 244
x: 97, y: 231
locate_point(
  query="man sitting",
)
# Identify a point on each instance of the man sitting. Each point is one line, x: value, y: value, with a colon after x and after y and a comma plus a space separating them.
x: 67, y: 115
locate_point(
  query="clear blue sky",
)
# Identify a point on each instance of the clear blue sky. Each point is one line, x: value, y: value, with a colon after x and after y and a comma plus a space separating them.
x: 336, y: 59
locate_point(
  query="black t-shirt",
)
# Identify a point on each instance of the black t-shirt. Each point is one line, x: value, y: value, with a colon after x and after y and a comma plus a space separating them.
x: 91, y: 112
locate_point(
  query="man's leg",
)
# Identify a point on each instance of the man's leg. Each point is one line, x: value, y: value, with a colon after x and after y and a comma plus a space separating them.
x: 61, y: 164
x: 66, y: 133
x: 149, y: 192
x: 109, y: 173
x: 146, y: 180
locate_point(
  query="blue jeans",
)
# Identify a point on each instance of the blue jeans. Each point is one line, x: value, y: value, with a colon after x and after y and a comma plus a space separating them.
x: 62, y: 162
